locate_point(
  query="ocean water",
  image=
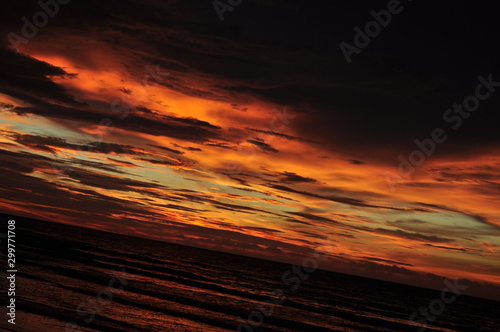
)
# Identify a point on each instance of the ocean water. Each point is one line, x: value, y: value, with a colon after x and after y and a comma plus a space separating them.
x: 74, y: 279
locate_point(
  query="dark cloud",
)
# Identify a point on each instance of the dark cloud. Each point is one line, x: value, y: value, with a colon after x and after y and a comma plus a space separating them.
x: 239, y: 208
x: 476, y: 217
x: 264, y: 230
x: 267, y: 193
x: 313, y: 217
x: 436, y: 206
x: 289, y: 177
x: 23, y: 162
x: 27, y: 78
x: 313, y: 235
x: 221, y: 145
x: 167, y: 149
x: 343, y: 200
x: 163, y: 162
x: 185, y: 121
x: 48, y: 143
x: 180, y: 128
x: 97, y: 165
x: 483, y: 220
x: 99, y: 180
x: 385, y: 261
x: 270, y: 132
x: 189, y: 148
x: 121, y: 162
x: 406, y: 222
x: 203, y: 198
x: 446, y: 248
x: 181, y: 208
x: 262, y: 145
x: 411, y: 235
x: 297, y: 221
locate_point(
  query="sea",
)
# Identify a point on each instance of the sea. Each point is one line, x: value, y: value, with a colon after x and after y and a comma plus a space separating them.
x: 76, y: 279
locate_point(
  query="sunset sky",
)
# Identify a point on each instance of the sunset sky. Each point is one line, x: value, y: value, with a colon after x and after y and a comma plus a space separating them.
x: 254, y: 136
